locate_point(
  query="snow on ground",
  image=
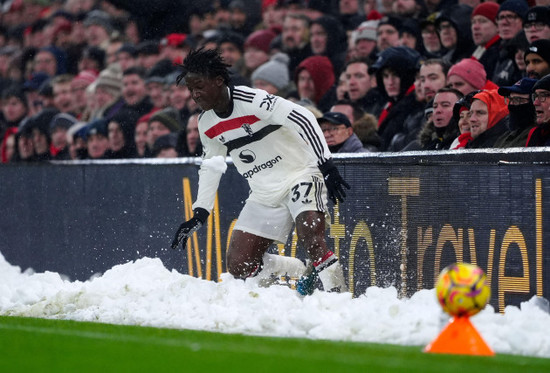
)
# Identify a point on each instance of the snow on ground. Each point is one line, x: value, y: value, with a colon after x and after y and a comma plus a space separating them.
x: 145, y: 293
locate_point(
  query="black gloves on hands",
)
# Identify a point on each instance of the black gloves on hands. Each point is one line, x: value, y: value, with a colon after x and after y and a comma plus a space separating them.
x: 334, y: 182
x: 189, y: 227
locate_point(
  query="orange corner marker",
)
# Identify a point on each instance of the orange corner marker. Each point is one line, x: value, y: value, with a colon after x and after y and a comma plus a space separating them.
x: 460, y: 337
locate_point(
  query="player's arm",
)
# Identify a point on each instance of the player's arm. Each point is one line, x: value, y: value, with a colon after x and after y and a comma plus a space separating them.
x: 210, y: 173
x: 303, y: 121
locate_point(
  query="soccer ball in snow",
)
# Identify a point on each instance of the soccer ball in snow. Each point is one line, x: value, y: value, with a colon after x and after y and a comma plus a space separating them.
x: 462, y: 289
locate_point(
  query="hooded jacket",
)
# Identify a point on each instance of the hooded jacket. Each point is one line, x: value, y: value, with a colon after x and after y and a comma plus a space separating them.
x: 404, y: 62
x: 459, y: 16
x: 321, y: 70
x: 497, y: 121
x: 336, y: 48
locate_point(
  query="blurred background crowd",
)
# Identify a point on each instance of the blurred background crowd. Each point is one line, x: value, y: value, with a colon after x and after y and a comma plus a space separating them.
x: 96, y: 79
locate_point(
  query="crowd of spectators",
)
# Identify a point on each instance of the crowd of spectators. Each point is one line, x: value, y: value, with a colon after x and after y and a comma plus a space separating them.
x: 97, y: 79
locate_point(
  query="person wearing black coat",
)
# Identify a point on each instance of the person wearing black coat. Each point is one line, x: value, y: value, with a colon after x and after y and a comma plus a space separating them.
x: 395, y: 71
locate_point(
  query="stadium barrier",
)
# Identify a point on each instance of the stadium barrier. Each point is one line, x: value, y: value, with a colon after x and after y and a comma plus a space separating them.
x: 407, y: 216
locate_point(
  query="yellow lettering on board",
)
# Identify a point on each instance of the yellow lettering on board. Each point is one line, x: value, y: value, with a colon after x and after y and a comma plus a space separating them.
x: 336, y: 230
x: 508, y: 284
x: 361, y: 231
x: 403, y: 187
x: 193, y: 243
x: 423, y: 242
x: 538, y: 203
x: 448, y: 234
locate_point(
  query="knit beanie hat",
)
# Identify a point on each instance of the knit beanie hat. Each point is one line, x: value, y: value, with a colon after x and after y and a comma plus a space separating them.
x: 366, y: 30
x: 538, y: 14
x: 540, y: 47
x: 519, y: 7
x: 488, y: 10
x: 169, y: 117
x: 496, y: 107
x: 100, y: 18
x: 471, y: 71
x: 274, y: 71
x: 62, y: 120
x: 111, y: 80
x: 260, y: 39
x: 87, y: 76
x: 322, y: 73
x: 543, y: 83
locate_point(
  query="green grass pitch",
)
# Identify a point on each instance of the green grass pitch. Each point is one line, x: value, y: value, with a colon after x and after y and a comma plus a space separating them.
x: 40, y: 345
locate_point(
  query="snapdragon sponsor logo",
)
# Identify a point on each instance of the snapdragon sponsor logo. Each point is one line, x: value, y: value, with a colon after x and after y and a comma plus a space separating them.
x: 260, y: 167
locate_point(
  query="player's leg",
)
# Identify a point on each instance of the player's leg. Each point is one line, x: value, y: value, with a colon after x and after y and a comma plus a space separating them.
x: 257, y: 228
x: 310, y: 228
x: 307, y: 204
x: 244, y: 256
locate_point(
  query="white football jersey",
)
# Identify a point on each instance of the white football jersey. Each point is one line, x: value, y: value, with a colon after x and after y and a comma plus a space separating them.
x: 272, y: 142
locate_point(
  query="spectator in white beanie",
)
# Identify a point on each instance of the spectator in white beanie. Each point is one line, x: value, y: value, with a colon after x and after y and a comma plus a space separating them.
x: 272, y: 76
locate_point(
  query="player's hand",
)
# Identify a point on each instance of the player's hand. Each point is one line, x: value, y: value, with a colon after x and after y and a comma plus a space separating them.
x: 189, y: 227
x: 334, y: 182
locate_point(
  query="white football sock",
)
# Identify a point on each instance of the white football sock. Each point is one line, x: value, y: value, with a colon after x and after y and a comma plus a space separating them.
x: 332, y: 277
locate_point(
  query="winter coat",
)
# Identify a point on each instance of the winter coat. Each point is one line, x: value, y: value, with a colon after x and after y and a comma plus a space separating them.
x: 351, y: 145
x: 393, y: 125
x: 488, y: 138
x: 539, y: 136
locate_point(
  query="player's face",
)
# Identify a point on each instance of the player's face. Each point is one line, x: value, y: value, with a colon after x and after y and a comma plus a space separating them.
x: 206, y: 92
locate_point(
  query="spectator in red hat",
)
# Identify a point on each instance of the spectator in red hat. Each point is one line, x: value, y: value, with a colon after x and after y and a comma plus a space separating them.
x: 468, y: 75
x: 273, y: 14
x: 257, y: 50
x: 485, y: 35
x: 175, y: 47
x: 314, y: 80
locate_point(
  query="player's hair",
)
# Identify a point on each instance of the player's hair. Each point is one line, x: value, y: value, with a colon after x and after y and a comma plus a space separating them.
x: 206, y: 62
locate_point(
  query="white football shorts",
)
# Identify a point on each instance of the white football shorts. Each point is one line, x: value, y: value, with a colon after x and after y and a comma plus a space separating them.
x: 275, y: 222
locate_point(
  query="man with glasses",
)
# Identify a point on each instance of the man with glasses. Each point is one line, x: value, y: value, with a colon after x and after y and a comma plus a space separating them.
x: 339, y: 134
x: 536, y: 23
x: 540, y: 135
x: 510, y: 18
x: 522, y: 113
x: 537, y: 59
x: 510, y: 23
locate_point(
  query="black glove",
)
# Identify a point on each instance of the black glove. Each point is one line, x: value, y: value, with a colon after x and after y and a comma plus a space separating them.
x: 334, y: 182
x: 189, y: 227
